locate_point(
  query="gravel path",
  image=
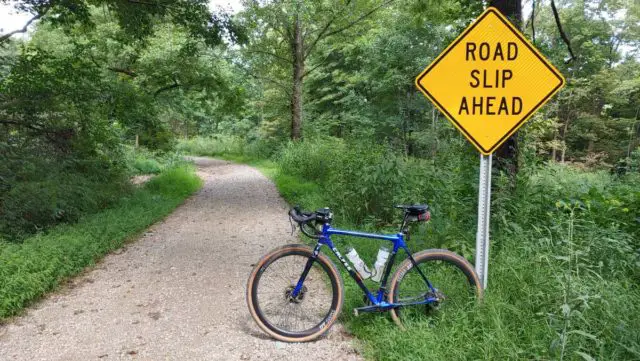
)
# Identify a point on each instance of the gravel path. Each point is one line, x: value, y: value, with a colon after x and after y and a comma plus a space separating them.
x: 178, y: 292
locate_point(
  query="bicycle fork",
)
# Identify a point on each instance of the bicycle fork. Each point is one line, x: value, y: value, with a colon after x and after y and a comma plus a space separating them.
x: 305, y: 272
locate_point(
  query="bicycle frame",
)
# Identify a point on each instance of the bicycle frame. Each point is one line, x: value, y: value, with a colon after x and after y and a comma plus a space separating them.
x: 378, y: 300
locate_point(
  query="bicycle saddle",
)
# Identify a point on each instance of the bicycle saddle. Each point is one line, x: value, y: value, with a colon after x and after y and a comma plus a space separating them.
x: 414, y: 209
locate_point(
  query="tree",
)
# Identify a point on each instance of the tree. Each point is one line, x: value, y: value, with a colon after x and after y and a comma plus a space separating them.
x: 136, y: 17
x: 77, y: 91
x: 589, y: 111
x: 288, y: 33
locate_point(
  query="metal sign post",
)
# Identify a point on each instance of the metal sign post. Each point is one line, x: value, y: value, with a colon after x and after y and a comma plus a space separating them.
x: 484, y: 212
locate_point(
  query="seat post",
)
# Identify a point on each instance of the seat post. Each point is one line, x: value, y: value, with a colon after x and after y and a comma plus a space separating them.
x: 403, y: 227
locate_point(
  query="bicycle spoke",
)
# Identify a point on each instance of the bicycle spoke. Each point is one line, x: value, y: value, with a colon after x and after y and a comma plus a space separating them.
x: 452, y: 292
x: 276, y: 286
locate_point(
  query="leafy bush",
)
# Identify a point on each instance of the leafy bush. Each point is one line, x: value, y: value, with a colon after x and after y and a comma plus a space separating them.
x: 39, y: 192
x: 147, y: 166
x: 212, y: 146
x: 143, y: 161
x: 35, y: 205
x: 314, y: 160
x: 230, y: 147
x: 177, y: 182
x: 41, y: 262
x: 362, y: 182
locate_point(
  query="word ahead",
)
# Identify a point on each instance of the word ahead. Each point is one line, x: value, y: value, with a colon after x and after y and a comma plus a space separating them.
x: 489, y: 81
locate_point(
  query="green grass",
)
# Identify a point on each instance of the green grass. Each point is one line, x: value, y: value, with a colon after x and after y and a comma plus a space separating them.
x: 39, y: 264
x: 564, y: 266
x: 213, y: 147
x: 533, y: 279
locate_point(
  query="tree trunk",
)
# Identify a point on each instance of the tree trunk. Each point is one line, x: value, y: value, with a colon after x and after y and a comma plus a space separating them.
x: 434, y: 132
x: 554, y: 146
x: 297, y: 52
x: 564, y: 141
x: 511, y: 9
x: 507, y: 155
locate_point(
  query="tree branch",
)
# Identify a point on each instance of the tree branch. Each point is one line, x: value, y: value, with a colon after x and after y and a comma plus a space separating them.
x: 26, y: 26
x: 323, y: 34
x: 320, y: 34
x: 144, y: 3
x: 311, y: 70
x: 167, y: 88
x: 128, y: 72
x: 289, y: 61
x: 20, y: 124
x: 562, y: 34
x: 316, y: 66
x: 283, y: 86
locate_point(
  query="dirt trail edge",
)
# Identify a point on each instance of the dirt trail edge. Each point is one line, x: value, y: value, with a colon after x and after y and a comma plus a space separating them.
x: 178, y: 293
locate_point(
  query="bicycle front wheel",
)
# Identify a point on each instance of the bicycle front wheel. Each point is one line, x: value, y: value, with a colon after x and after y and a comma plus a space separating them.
x: 294, y: 319
x: 455, y: 286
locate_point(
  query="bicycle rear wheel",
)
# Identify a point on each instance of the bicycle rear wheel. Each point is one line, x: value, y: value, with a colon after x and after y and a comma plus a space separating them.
x: 457, y: 287
x: 294, y: 319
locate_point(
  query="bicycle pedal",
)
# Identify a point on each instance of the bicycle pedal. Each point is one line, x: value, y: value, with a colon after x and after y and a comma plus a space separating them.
x: 355, y: 312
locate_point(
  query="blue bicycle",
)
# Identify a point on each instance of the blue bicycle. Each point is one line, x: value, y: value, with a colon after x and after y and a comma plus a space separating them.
x: 295, y: 293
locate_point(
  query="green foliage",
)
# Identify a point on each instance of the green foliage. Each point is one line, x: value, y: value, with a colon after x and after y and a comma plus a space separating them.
x: 42, y: 262
x: 177, y: 183
x: 564, y: 261
x: 364, y: 181
x: 32, y: 206
x: 89, y: 81
x: 138, y: 19
x: 143, y: 161
x: 213, y: 146
x: 228, y: 146
x: 146, y: 166
x: 314, y: 160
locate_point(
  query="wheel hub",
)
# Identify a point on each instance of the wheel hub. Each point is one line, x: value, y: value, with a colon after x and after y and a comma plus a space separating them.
x: 438, y: 296
x: 288, y: 294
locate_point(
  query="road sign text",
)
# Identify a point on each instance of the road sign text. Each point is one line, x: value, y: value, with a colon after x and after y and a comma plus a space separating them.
x: 484, y: 51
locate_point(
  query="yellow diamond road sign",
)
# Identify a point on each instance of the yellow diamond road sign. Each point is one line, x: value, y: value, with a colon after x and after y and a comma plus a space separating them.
x: 489, y: 81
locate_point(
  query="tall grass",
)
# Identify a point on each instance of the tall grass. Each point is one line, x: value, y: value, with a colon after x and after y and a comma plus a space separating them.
x: 212, y: 146
x: 30, y: 269
x: 564, y: 263
x: 229, y: 147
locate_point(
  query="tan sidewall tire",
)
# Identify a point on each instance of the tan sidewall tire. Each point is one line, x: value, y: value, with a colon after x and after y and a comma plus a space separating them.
x: 432, y: 254
x: 321, y: 258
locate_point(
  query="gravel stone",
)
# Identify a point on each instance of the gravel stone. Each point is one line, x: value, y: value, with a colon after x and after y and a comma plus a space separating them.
x: 177, y: 293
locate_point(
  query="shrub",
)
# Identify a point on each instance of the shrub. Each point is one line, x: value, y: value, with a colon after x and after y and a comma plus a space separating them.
x: 177, y: 182
x: 41, y: 262
x: 313, y: 160
x: 35, y: 205
x: 212, y: 146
